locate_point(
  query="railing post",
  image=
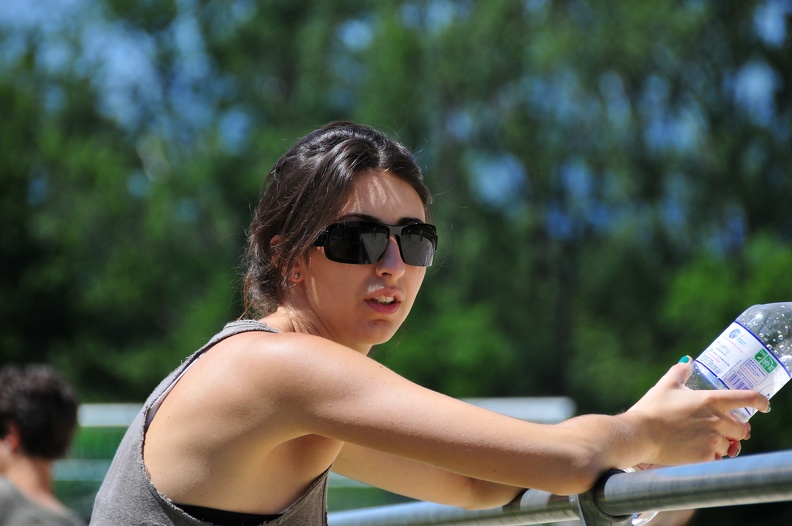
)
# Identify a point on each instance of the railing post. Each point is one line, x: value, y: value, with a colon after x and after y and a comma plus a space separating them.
x: 590, y: 513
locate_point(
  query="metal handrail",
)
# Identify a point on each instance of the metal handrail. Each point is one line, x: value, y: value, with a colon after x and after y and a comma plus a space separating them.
x: 751, y: 479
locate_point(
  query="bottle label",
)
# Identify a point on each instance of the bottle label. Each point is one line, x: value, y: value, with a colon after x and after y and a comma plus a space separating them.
x: 741, y: 361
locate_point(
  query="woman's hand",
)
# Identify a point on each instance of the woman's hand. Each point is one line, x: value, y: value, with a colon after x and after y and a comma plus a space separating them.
x: 688, y: 426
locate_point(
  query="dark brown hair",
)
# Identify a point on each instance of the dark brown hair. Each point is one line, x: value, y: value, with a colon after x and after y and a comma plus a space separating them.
x: 305, y: 191
x: 42, y: 405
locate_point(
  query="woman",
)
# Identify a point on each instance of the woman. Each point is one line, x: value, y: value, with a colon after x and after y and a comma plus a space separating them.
x: 245, y: 431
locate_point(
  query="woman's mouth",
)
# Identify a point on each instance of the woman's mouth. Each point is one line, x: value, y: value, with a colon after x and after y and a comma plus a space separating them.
x: 384, y: 300
x: 384, y: 304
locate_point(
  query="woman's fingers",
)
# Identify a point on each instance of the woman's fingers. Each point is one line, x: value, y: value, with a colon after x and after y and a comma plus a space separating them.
x: 725, y: 402
x: 679, y: 373
x: 733, y: 427
x: 733, y: 399
x: 736, y: 399
x: 692, y: 425
x: 735, y: 430
x: 734, y: 448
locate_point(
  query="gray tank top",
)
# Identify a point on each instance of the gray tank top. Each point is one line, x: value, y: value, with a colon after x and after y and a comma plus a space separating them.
x: 127, y: 496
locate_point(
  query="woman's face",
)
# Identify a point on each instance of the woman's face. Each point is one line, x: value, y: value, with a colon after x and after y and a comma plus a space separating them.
x: 363, y: 305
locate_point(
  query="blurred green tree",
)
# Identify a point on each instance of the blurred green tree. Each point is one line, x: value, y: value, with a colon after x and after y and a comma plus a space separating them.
x: 612, y: 179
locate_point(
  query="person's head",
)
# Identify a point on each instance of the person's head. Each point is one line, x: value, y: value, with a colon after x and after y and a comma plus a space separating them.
x: 305, y: 192
x: 39, y: 408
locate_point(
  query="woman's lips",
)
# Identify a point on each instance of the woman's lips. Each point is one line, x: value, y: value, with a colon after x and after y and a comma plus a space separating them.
x: 384, y: 304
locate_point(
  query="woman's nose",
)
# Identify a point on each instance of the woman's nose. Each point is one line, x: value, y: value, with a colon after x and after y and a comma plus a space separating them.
x: 391, y: 261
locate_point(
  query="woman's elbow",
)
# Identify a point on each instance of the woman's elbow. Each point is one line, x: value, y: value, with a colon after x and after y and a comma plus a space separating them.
x: 483, y: 495
x: 579, y: 478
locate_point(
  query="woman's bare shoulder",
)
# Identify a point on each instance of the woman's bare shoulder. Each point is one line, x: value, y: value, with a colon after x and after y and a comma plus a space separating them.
x: 279, y: 346
x: 280, y: 363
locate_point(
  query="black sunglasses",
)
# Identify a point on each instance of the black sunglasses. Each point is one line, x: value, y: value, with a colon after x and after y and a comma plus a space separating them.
x: 364, y: 242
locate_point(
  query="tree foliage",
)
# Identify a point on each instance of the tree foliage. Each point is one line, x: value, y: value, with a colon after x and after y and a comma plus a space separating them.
x: 611, y: 179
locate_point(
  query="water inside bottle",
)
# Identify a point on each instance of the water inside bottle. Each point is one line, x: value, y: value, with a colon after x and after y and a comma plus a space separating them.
x: 639, y: 519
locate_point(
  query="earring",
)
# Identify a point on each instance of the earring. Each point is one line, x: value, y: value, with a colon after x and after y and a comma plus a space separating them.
x: 296, y: 275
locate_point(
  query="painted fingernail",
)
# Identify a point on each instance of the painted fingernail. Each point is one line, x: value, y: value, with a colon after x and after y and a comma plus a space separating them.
x: 684, y: 359
x: 768, y: 407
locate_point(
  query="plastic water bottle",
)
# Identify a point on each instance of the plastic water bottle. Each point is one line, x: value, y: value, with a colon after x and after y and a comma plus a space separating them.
x: 754, y: 352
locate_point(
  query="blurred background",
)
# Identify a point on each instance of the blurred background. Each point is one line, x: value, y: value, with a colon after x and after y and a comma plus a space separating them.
x: 612, y: 180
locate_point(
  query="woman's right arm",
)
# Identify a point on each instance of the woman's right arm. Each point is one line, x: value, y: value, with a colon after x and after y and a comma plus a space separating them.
x: 329, y: 390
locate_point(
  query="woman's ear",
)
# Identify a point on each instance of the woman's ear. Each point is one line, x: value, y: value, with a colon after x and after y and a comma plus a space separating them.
x: 296, y: 272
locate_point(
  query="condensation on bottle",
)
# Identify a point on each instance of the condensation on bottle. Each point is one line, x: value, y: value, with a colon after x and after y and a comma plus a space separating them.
x: 754, y: 352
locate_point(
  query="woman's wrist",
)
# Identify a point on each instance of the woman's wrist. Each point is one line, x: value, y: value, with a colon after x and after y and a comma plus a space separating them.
x: 640, y: 446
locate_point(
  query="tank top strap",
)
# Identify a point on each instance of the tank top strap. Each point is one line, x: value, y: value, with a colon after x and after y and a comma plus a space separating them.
x: 237, y: 327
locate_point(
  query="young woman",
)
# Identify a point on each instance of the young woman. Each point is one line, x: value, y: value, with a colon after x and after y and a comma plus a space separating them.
x: 246, y: 430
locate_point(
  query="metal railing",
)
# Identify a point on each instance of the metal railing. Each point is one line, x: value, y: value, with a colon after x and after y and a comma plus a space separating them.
x: 751, y: 479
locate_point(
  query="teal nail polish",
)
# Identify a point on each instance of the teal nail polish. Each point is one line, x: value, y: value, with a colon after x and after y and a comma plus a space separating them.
x: 684, y: 359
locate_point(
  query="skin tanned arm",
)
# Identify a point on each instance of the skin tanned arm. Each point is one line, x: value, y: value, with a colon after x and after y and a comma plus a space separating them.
x: 375, y: 409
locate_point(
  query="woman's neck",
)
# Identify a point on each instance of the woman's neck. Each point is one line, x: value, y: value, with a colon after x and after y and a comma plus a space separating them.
x: 286, y: 319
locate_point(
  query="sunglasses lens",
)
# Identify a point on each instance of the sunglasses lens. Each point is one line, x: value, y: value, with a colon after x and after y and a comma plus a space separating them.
x: 418, y: 245
x: 359, y: 243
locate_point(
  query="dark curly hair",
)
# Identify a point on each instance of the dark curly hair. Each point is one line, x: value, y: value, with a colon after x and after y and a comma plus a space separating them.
x: 43, y: 407
x: 305, y: 191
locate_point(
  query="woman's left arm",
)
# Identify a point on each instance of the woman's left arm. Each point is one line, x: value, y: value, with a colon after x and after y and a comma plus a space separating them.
x: 421, y: 481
